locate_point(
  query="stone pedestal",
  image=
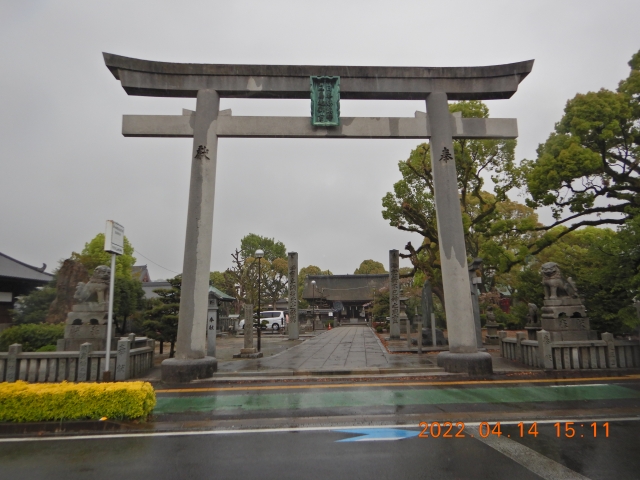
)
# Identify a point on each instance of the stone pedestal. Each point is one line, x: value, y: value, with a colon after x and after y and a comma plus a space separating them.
x: 532, y: 332
x: 248, y: 353
x: 87, y: 323
x: 176, y: 370
x: 565, y: 318
x: 473, y: 364
x: 492, y: 337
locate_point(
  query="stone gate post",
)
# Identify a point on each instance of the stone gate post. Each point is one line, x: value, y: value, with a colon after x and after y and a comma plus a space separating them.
x: 292, y: 328
x: 191, y: 361
x: 394, y: 294
x: 463, y: 356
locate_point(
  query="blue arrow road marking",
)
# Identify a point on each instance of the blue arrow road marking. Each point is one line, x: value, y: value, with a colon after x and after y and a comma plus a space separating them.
x: 377, y: 434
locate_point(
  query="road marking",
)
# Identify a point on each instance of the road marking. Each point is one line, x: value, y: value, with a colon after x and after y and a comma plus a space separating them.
x: 394, y: 384
x: 530, y: 459
x: 587, y: 385
x: 108, y: 436
x: 377, y: 434
x: 309, y: 399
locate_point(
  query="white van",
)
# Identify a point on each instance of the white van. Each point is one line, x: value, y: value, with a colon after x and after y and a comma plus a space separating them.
x: 275, y: 318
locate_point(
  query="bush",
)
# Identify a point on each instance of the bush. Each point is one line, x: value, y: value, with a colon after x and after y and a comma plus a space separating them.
x: 379, y: 329
x: 24, y: 402
x: 34, y: 307
x: 48, y: 348
x: 31, y: 336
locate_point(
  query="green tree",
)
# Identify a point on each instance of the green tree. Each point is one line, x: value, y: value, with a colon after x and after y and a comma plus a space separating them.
x: 302, y: 276
x: 370, y: 267
x: 33, y: 308
x: 381, y: 307
x: 222, y: 281
x: 272, y: 249
x: 127, y: 299
x: 587, y: 171
x: 93, y: 255
x: 161, y: 317
x: 241, y: 280
x: 496, y: 228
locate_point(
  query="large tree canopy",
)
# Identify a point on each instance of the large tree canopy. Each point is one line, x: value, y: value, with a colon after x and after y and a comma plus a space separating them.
x: 302, y: 276
x: 587, y: 171
x: 93, y: 255
x: 272, y: 249
x: 368, y: 267
x: 241, y: 279
x: 495, y: 227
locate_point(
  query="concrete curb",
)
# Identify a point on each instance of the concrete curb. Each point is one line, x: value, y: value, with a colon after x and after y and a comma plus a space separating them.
x: 320, y: 373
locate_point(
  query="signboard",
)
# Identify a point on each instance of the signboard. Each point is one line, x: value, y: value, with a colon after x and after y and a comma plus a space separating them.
x: 114, y: 238
x: 325, y: 101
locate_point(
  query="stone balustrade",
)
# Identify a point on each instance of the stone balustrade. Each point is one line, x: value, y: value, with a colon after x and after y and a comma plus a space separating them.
x: 570, y: 355
x: 84, y: 365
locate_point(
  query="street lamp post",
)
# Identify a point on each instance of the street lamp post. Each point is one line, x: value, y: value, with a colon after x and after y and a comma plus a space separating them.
x: 259, y: 255
x: 313, y: 284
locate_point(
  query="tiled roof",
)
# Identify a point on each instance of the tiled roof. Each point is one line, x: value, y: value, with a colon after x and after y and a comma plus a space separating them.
x: 349, y: 288
x: 12, y: 268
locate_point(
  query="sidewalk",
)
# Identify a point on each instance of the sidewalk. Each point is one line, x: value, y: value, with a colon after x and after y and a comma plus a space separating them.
x: 342, y: 350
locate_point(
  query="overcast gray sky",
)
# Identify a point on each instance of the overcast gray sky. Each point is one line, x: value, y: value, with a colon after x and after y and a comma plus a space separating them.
x: 66, y: 168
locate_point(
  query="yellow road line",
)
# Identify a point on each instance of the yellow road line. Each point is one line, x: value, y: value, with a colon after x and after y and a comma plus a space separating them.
x: 393, y: 384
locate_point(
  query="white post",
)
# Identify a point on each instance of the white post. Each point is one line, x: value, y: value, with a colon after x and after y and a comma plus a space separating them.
x: 110, y: 317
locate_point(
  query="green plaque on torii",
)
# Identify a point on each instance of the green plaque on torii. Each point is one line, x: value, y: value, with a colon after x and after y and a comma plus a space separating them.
x: 325, y: 101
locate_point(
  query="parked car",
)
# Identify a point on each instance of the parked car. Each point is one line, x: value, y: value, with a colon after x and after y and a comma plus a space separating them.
x: 274, y: 319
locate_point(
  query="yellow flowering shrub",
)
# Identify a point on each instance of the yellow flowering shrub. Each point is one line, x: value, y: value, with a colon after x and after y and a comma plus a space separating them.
x: 38, y: 402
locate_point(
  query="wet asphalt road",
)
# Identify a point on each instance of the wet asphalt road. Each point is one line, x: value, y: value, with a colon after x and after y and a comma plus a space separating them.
x: 298, y: 431
x: 325, y: 454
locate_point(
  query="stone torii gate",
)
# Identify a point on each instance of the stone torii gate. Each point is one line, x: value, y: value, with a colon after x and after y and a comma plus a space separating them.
x: 208, y: 83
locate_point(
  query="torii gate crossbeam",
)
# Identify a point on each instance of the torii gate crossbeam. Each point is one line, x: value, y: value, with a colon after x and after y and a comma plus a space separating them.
x: 208, y: 83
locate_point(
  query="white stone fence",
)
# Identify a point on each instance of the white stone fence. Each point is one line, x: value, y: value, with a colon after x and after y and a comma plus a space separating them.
x: 575, y: 355
x: 85, y: 365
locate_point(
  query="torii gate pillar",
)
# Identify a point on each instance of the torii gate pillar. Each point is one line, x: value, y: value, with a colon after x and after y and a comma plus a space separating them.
x: 463, y: 355
x: 191, y: 362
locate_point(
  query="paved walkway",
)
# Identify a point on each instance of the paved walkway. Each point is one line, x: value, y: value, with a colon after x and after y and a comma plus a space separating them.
x: 341, y: 349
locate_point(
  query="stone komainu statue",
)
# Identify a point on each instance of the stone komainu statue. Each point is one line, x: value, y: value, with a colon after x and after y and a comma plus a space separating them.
x: 98, y: 284
x: 555, y: 285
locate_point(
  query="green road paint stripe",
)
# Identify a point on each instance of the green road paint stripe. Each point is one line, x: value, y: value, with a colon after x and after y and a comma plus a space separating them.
x: 449, y: 383
x: 329, y: 399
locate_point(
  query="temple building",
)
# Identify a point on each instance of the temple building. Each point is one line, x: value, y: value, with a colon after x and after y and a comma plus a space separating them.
x: 17, y: 278
x: 342, y: 297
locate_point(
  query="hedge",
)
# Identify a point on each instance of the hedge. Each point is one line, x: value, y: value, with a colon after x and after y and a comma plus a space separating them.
x: 38, y: 402
x: 31, y: 336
